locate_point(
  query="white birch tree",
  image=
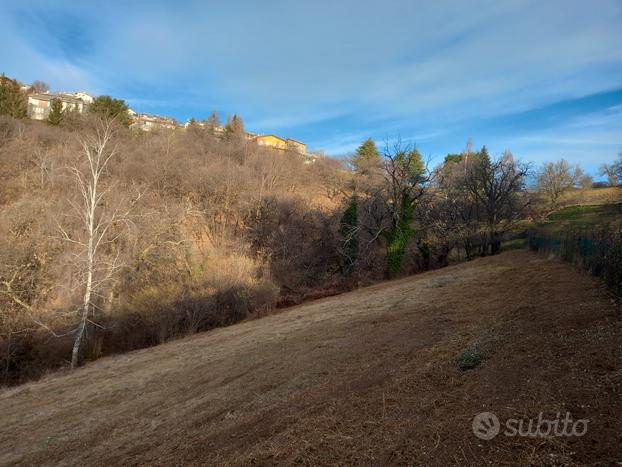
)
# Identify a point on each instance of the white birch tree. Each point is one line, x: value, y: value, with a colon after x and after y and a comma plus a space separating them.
x: 99, y: 226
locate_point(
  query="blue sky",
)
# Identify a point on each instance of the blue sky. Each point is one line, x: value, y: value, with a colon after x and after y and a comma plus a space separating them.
x: 542, y: 78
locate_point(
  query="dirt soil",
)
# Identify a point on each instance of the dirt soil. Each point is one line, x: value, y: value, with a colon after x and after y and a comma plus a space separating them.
x: 368, y: 377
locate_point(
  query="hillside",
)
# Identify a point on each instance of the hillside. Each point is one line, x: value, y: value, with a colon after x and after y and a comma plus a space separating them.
x: 605, y: 195
x: 365, y: 377
x: 582, y: 217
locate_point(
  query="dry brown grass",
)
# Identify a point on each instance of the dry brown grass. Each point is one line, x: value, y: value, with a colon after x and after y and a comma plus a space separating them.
x: 592, y: 196
x: 366, y: 377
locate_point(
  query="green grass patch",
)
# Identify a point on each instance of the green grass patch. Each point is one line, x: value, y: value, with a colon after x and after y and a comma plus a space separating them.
x: 582, y: 217
x: 516, y: 244
x: 470, y: 358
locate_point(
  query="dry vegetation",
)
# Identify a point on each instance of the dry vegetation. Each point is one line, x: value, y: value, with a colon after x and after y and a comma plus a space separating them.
x: 195, y: 232
x: 369, y: 377
x: 604, y: 195
x: 112, y: 240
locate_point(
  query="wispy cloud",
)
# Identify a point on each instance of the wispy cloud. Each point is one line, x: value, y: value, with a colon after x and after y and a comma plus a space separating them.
x: 332, y: 73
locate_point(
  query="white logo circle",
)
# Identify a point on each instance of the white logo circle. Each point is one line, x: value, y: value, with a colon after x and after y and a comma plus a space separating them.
x: 486, y: 425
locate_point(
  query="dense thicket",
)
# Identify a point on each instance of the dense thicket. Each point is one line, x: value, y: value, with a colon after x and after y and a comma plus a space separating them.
x: 211, y: 231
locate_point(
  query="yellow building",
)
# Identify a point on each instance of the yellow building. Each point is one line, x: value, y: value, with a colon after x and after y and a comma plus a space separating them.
x: 275, y: 142
x: 271, y: 141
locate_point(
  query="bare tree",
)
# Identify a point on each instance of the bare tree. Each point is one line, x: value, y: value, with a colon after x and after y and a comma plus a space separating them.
x: 40, y: 86
x: 43, y: 163
x: 555, y: 178
x: 449, y: 213
x: 405, y: 176
x: 496, y: 186
x: 586, y: 181
x: 98, y: 225
x: 612, y: 171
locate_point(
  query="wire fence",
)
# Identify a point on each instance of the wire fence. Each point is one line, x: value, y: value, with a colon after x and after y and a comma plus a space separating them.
x: 597, y: 250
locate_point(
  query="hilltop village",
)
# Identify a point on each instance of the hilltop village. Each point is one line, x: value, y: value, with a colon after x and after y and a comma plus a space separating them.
x: 40, y: 103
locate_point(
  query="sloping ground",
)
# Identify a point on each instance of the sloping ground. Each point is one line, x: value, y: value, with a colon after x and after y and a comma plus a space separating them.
x: 582, y: 217
x: 592, y: 196
x: 368, y: 377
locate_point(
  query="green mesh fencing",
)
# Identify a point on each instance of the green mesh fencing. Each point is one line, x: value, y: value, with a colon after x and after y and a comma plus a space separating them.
x: 597, y: 250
